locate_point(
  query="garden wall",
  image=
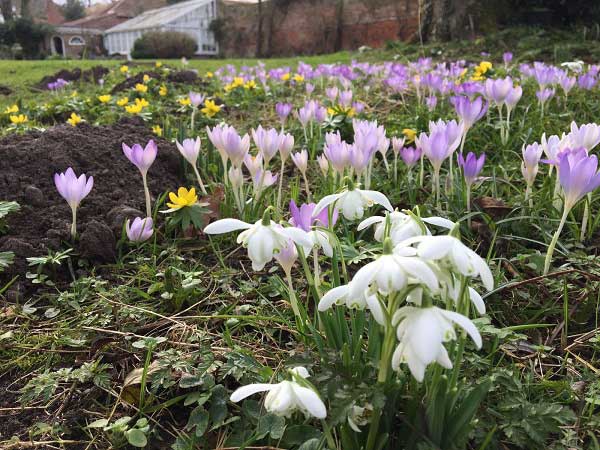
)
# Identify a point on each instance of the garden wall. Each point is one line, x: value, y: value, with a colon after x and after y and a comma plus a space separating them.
x: 330, y: 25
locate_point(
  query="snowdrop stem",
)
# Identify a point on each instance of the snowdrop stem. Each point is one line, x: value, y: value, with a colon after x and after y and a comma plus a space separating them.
x: 74, y: 223
x: 202, y: 188
x: 585, y: 218
x: 462, y: 308
x: 555, y: 240
x: 280, y: 183
x: 316, y: 270
x: 294, y: 302
x: 147, y: 195
x: 328, y: 436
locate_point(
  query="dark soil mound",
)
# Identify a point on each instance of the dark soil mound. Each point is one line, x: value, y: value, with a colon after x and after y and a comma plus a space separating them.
x: 28, y: 163
x: 182, y: 76
x: 94, y: 74
x: 5, y: 90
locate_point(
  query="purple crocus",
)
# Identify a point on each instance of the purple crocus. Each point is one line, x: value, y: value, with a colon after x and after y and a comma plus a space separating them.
x: 497, y: 90
x: 140, y: 230
x: 73, y: 189
x: 303, y: 217
x: 267, y: 142
x: 283, y: 110
x: 567, y: 83
x: 471, y: 166
x: 235, y: 146
x: 345, y: 98
x: 58, y: 84
x: 332, y: 93
x: 431, y: 102
x: 190, y: 149
x: 142, y: 158
x: 196, y: 99
x: 507, y: 57
x: 578, y: 176
x: 410, y: 155
x: 469, y: 111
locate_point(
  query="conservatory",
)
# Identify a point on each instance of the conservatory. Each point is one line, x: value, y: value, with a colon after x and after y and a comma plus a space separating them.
x: 192, y: 17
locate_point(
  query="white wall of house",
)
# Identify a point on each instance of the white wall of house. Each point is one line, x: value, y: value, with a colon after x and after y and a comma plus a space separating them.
x: 195, y: 22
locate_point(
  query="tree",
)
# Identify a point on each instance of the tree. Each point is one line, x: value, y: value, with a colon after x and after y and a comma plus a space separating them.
x: 73, y: 10
x: 6, y: 9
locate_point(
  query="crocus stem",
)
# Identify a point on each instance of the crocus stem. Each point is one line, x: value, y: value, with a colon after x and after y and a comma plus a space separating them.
x: 147, y: 194
x: 306, y: 186
x: 193, y: 117
x: 555, y: 240
x: 422, y: 171
x: 280, y: 184
x: 74, y: 223
x: 586, y: 216
x: 395, y: 167
x: 316, y: 270
x: 528, y: 198
x: 436, y: 185
x: 468, y: 192
x: 202, y: 188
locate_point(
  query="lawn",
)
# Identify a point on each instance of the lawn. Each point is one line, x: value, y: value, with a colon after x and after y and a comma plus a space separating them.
x: 384, y: 249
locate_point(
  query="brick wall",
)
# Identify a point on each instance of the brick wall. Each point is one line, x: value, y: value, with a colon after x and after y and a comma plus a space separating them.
x: 311, y: 26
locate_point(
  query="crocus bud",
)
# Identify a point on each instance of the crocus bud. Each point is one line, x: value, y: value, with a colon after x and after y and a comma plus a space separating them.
x: 323, y: 164
x: 140, y: 230
x: 287, y: 256
x: 286, y: 145
x: 471, y: 166
x: 301, y: 160
x: 189, y: 149
x: 236, y: 178
x: 196, y: 99
x: 142, y: 158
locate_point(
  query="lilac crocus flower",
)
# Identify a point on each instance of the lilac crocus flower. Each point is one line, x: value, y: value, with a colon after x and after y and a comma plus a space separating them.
x: 469, y: 111
x: 263, y: 179
x: 309, y: 88
x: 267, y: 142
x: 73, y: 189
x: 497, y: 90
x: 543, y: 95
x: 587, y: 136
x: 300, y: 159
x: 196, y: 98
x: 345, y: 98
x: 431, y: 102
x: 578, y: 176
x: 190, y: 149
x: 513, y: 97
x: 358, y: 107
x: 567, y: 83
x: 410, y: 155
x: 507, y: 57
x: 283, y: 110
x: 471, y: 166
x: 140, y: 230
x: 303, y: 217
x: 306, y: 114
x: 235, y: 146
x: 58, y: 84
x: 332, y: 93
x: 586, y: 81
x: 142, y: 158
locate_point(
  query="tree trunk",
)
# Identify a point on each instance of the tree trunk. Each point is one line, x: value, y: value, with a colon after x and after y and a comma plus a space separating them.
x: 6, y: 9
x: 442, y: 20
x: 339, y: 31
x: 25, y: 12
x: 259, y: 33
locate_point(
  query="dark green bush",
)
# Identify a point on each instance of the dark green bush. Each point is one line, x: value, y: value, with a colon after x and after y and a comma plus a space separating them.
x: 164, y: 44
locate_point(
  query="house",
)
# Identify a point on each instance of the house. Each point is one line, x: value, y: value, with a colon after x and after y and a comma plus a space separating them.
x: 192, y: 17
x: 85, y: 36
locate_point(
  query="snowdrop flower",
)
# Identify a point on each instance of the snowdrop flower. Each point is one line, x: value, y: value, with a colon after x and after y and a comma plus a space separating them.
x: 262, y: 239
x: 139, y: 230
x: 190, y: 150
x: 341, y: 296
x: 451, y: 254
x: 73, y: 189
x: 403, y: 226
x: 422, y: 333
x: 286, y: 397
x: 352, y: 202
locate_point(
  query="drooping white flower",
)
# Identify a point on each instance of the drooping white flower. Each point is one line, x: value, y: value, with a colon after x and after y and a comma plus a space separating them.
x: 286, y: 397
x: 451, y: 254
x: 340, y: 295
x: 421, y: 334
x: 352, y: 202
x: 403, y: 226
x: 263, y: 239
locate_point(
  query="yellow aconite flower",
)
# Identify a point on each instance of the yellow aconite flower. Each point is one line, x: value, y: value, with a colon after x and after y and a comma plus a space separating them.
x: 285, y: 76
x: 74, y: 120
x: 157, y: 130
x: 104, y: 98
x: 298, y: 78
x: 124, y: 69
x: 183, y: 198
x: 21, y: 118
x: 158, y: 64
x: 238, y: 81
x: 123, y: 101
x: 163, y: 91
x: 74, y: 94
x: 210, y: 108
x: 146, y: 78
x: 185, y: 101
x: 209, y: 74
x: 228, y: 87
x: 141, y: 88
x: 410, y: 134
x: 250, y: 84
x: 484, y: 66
x: 134, y: 109
x: 142, y: 102
x: 11, y: 109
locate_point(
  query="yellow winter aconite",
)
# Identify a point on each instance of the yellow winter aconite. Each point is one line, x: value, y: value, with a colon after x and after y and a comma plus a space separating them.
x: 285, y: 76
x: 104, y: 98
x: 157, y: 130
x: 11, y: 109
x: 18, y: 119
x: 410, y: 134
x: 146, y: 78
x: 162, y: 91
x: 123, y: 101
x: 184, y: 101
x: 141, y: 88
x: 183, y: 198
x: 74, y: 120
x: 210, y: 108
x: 124, y: 69
x: 298, y: 78
x: 136, y: 108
